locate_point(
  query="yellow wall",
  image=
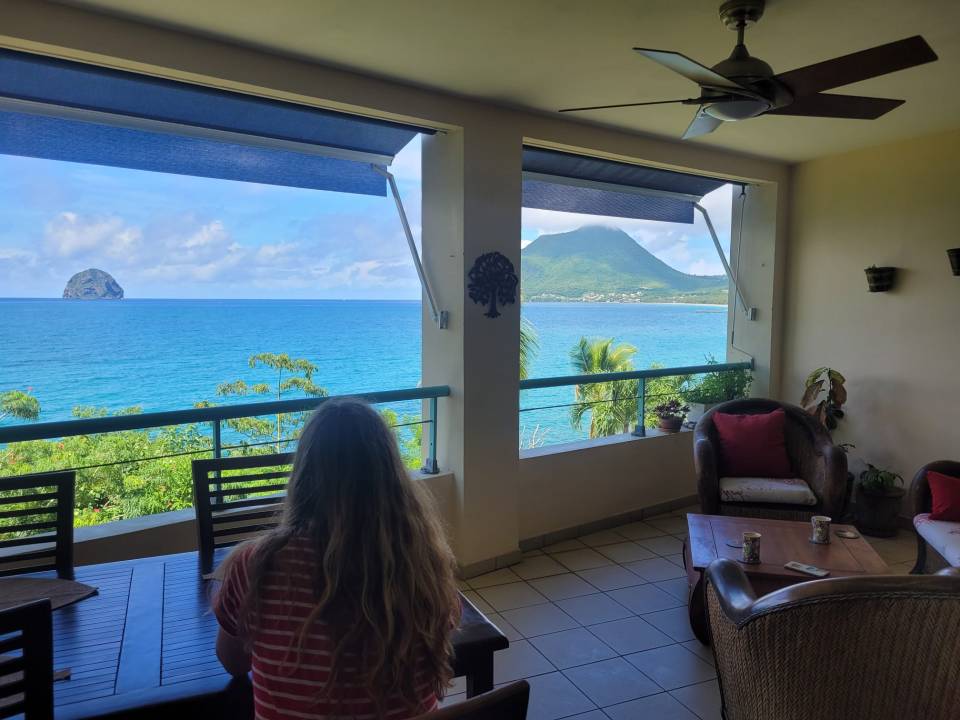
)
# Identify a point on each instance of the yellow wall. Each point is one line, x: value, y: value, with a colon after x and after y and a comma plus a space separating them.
x: 894, y: 205
x: 576, y: 484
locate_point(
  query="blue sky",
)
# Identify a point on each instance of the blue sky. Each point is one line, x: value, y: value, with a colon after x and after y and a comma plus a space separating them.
x: 172, y: 236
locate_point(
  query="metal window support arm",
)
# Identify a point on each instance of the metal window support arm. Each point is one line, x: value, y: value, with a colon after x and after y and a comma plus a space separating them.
x: 440, y: 317
x: 749, y: 312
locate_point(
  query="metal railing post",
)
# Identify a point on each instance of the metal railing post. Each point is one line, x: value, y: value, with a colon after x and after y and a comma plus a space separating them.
x: 430, y: 461
x: 641, y: 429
x: 217, y: 452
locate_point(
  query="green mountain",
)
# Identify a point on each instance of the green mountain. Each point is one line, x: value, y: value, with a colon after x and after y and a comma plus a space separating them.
x: 602, y: 264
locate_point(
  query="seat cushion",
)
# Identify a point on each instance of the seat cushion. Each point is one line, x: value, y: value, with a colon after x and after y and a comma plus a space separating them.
x: 786, y: 491
x: 753, y: 445
x: 943, y: 536
x: 945, y: 496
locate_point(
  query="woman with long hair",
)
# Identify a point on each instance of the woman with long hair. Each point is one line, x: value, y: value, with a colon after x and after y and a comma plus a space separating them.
x: 346, y: 608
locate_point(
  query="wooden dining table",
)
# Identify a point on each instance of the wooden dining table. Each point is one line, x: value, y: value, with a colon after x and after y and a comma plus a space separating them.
x: 144, y: 645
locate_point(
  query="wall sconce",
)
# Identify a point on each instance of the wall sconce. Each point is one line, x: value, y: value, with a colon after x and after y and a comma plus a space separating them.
x: 880, y: 279
x: 954, y: 255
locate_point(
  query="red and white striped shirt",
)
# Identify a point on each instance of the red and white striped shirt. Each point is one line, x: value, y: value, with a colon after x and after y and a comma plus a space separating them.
x: 288, y: 683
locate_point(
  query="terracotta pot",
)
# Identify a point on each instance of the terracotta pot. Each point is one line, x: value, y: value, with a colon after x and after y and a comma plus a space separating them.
x: 671, y: 423
x: 877, y: 512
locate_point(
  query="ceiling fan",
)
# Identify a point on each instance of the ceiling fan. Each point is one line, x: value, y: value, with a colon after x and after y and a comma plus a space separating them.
x: 743, y: 86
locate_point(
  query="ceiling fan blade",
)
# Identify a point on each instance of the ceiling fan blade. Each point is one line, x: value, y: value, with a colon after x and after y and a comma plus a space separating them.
x: 690, y: 69
x: 701, y: 125
x: 858, y: 66
x: 623, y: 105
x: 838, y: 106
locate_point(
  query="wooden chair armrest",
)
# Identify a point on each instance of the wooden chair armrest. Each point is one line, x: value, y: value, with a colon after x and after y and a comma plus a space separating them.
x: 732, y: 587
x: 708, y: 481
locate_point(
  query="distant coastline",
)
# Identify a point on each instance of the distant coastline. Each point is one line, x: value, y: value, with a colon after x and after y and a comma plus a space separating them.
x: 392, y: 300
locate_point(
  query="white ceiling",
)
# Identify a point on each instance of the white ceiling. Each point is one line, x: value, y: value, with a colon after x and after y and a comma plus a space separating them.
x: 547, y: 54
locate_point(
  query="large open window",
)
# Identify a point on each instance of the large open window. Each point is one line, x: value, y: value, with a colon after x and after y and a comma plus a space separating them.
x: 257, y: 249
x: 620, y: 272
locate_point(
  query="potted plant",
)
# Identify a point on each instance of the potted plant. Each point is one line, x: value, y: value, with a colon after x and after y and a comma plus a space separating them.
x: 880, y: 279
x: 716, y: 387
x: 828, y: 409
x: 671, y: 415
x: 879, y: 495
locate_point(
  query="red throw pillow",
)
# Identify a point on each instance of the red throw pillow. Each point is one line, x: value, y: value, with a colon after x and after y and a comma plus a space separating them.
x: 945, y: 491
x: 753, y: 445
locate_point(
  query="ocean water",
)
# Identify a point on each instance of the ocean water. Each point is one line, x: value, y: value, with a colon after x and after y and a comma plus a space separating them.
x: 169, y: 354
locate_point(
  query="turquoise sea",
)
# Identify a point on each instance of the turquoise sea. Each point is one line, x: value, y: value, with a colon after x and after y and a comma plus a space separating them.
x: 169, y: 354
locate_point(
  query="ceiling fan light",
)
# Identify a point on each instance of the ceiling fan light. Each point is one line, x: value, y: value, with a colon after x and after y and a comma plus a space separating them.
x: 730, y: 110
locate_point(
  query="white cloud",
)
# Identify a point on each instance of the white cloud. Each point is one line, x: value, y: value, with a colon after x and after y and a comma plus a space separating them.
x: 202, y: 257
x: 685, y: 247
x: 70, y: 235
x: 703, y: 267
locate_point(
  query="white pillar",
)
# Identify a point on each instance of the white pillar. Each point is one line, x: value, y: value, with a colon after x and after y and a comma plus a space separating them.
x: 756, y: 256
x: 471, y: 206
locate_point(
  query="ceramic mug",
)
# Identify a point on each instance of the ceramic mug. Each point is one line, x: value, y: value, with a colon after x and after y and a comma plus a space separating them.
x: 821, y: 529
x: 751, y: 548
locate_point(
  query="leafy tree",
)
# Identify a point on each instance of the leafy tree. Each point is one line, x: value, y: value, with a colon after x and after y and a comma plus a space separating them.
x: 131, y: 473
x: 529, y: 346
x: 299, y: 378
x: 409, y: 434
x: 720, y: 385
x: 18, y: 404
x: 115, y: 490
x: 611, y: 406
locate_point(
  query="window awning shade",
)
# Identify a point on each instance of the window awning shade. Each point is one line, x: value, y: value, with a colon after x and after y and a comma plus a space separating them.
x: 63, y: 110
x: 561, y: 181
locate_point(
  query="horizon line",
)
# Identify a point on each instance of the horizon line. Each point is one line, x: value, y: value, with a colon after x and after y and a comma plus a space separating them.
x: 98, y: 300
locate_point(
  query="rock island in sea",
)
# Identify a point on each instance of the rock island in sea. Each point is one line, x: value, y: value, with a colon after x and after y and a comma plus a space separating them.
x: 93, y: 284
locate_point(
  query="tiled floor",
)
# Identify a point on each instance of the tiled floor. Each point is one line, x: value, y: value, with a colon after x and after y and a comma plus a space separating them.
x: 598, y: 625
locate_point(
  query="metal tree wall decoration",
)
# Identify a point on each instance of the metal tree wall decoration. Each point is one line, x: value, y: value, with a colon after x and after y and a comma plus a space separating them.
x: 493, y: 280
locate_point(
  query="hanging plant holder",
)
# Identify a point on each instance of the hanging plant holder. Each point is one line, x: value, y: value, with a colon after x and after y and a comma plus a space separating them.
x: 954, y: 255
x: 880, y: 279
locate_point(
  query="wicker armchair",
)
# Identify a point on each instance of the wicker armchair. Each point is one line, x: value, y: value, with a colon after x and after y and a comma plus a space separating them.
x: 922, y: 502
x: 813, y: 458
x: 879, y: 647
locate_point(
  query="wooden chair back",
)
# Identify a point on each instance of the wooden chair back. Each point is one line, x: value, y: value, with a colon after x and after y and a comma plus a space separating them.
x: 26, y: 661
x: 235, y: 498
x: 36, y: 523
x: 506, y: 703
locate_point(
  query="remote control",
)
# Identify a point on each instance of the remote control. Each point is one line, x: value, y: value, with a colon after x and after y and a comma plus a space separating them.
x: 807, y: 569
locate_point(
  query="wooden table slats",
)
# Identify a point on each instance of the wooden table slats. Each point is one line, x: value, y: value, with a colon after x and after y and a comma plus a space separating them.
x: 144, y: 645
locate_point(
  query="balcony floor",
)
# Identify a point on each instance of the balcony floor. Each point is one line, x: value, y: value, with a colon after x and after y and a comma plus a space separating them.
x: 598, y: 626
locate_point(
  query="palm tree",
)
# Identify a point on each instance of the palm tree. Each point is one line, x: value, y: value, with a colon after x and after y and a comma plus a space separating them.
x: 612, y: 405
x: 529, y: 346
x: 18, y: 404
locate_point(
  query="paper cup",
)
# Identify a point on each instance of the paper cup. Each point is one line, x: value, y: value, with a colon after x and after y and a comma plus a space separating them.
x: 751, y: 548
x: 820, y: 530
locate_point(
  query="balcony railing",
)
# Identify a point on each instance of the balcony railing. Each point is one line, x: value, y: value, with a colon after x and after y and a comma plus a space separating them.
x: 216, y: 416
x: 643, y: 397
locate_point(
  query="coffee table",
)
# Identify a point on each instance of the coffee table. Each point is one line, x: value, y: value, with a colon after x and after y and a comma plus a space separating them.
x: 781, y: 542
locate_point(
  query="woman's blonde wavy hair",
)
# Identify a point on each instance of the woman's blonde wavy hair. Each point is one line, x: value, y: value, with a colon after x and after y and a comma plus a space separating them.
x: 385, y: 584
